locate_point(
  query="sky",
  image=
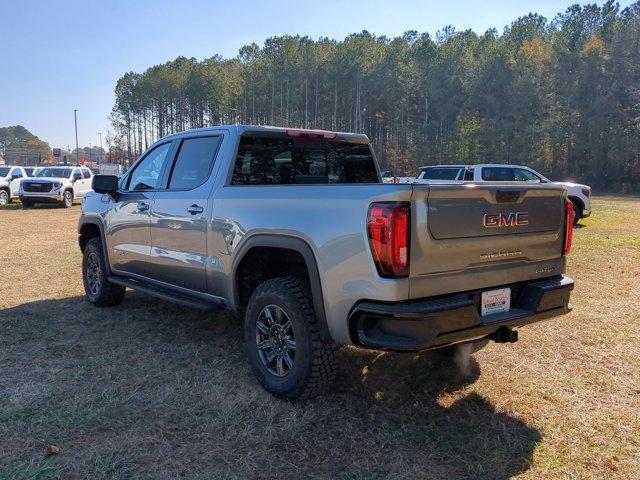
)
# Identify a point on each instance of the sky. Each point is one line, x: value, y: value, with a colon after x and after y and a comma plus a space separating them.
x: 57, y: 56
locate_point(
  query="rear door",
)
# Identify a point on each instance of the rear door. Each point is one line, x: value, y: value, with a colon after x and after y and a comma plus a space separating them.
x: 179, y: 214
x: 477, y: 235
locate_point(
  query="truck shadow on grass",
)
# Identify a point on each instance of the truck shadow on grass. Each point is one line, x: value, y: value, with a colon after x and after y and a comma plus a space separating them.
x: 153, y: 389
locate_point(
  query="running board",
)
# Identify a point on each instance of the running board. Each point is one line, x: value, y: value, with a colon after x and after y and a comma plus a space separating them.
x: 183, y: 299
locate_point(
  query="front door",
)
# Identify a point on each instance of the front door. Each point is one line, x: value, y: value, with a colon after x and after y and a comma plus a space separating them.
x: 127, y: 223
x: 179, y: 215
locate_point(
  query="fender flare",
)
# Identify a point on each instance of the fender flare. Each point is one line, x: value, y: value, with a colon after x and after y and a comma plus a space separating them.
x: 291, y: 243
x: 97, y: 222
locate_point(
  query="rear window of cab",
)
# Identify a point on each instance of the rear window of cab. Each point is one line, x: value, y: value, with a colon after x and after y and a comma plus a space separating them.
x: 276, y: 159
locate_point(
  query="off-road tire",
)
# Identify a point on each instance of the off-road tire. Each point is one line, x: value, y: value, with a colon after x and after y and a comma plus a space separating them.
x: 313, y: 369
x: 577, y: 212
x: 5, y: 198
x: 108, y: 294
x: 67, y: 199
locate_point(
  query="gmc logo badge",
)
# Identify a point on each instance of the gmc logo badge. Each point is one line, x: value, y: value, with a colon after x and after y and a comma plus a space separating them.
x: 511, y: 219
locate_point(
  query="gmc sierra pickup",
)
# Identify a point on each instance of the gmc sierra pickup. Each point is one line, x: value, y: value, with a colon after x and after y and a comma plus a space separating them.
x: 294, y: 231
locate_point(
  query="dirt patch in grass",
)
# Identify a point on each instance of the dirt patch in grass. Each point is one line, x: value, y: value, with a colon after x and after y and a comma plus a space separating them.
x: 152, y: 390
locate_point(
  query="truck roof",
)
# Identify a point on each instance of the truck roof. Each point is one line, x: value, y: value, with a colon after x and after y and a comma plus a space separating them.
x: 240, y: 129
x: 424, y: 167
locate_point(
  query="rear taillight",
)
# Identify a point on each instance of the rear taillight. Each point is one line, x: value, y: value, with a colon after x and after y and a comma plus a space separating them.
x: 389, y: 230
x: 568, y: 233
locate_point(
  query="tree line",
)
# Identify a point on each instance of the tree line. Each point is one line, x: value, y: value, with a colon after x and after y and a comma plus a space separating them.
x: 562, y: 96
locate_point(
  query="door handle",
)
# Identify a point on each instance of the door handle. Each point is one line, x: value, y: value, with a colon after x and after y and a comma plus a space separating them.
x: 143, y: 206
x: 195, y: 209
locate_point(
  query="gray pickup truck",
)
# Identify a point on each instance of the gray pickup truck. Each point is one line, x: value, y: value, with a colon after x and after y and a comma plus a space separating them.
x: 294, y: 231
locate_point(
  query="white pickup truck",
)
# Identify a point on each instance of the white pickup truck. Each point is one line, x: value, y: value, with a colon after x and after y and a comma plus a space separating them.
x: 579, y: 194
x: 10, y: 178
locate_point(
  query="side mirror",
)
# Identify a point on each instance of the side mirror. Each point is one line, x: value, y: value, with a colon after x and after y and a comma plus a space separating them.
x: 106, y: 184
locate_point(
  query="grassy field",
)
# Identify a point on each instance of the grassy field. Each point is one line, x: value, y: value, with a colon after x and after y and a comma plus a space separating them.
x: 151, y: 390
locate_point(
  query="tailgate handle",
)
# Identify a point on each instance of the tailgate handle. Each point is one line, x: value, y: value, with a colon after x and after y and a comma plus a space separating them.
x: 507, y: 196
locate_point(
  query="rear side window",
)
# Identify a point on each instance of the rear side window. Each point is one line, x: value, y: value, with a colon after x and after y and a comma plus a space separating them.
x: 280, y: 160
x: 441, y: 173
x: 498, y: 174
x: 193, y: 163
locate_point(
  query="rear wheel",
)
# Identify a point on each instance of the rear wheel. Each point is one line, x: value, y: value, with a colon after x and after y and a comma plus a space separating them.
x: 4, y: 197
x: 99, y: 290
x: 283, y: 343
x: 67, y: 198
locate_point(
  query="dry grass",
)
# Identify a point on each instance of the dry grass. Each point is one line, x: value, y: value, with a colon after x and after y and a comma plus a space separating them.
x: 151, y: 390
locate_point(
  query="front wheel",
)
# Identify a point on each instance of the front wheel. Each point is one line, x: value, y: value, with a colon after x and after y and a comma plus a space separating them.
x: 4, y: 197
x: 99, y: 290
x: 67, y: 198
x: 577, y: 213
x: 283, y: 343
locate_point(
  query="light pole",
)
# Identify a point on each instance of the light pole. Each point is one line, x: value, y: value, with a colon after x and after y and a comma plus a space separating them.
x: 75, y: 118
x: 101, y: 151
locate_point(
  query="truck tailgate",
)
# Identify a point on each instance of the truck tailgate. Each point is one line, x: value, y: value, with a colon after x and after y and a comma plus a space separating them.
x: 470, y: 236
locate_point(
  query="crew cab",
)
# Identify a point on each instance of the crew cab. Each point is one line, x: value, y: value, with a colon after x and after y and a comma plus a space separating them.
x: 61, y: 185
x: 10, y: 178
x: 579, y: 194
x: 294, y: 231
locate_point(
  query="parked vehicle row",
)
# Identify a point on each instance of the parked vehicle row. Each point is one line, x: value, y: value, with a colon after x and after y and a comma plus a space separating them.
x: 32, y: 185
x: 294, y: 231
x: 579, y: 194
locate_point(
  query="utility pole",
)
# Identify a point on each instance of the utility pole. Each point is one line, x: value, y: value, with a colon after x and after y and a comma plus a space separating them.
x: 75, y: 118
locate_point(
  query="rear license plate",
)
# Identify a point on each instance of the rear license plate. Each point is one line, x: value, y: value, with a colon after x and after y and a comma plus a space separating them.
x: 495, y: 301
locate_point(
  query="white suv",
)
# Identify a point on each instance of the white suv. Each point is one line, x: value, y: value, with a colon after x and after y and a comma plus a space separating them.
x: 10, y: 178
x: 61, y: 185
x: 579, y: 194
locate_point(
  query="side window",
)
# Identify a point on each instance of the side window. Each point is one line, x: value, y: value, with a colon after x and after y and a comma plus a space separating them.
x: 146, y: 174
x: 86, y: 173
x: 193, y: 163
x: 498, y: 174
x: 522, y: 175
x: 468, y: 175
x: 76, y: 173
x: 444, y: 173
x: 17, y: 172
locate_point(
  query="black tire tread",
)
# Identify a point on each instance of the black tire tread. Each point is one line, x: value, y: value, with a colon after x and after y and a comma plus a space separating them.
x: 111, y: 294
x: 323, y: 366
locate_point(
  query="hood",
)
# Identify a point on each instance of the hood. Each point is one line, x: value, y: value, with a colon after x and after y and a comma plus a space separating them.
x: 45, y: 179
x: 571, y: 184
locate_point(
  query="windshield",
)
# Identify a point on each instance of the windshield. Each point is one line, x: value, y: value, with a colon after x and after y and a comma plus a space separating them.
x: 4, y: 171
x: 54, y: 172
